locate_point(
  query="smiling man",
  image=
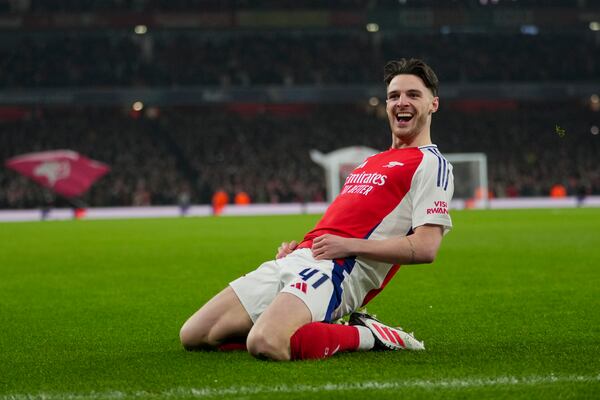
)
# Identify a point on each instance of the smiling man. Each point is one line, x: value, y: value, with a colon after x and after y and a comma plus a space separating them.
x: 392, y: 211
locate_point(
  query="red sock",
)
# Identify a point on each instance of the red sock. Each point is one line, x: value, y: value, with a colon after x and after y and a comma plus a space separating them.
x: 322, y: 340
x: 232, y: 347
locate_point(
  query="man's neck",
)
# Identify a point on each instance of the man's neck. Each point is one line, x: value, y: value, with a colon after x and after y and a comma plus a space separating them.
x: 422, y: 139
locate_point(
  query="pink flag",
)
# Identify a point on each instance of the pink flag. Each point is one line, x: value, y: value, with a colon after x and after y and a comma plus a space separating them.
x: 66, y: 172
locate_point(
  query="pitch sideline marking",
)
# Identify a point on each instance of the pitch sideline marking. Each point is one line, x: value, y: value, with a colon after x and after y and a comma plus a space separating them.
x: 178, y: 393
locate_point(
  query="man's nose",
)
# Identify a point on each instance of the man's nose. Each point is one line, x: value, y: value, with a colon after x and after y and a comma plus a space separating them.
x: 403, y: 100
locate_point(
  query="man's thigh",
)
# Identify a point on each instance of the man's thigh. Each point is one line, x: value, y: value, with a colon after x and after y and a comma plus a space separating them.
x: 257, y: 289
x: 222, y: 319
x: 311, y: 282
x: 298, y: 274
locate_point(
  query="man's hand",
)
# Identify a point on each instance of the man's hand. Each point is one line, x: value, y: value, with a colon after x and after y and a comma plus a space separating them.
x: 286, y: 248
x: 330, y: 247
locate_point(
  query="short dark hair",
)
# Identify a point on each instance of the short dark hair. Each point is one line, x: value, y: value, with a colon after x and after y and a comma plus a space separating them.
x: 412, y: 66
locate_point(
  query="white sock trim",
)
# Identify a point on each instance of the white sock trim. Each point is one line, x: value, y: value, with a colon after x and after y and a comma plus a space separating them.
x: 366, y: 340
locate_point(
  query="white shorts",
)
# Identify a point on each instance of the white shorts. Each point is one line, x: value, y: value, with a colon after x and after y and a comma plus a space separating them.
x: 316, y: 282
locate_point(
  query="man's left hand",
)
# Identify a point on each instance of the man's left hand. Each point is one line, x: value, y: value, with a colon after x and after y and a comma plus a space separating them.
x: 330, y: 247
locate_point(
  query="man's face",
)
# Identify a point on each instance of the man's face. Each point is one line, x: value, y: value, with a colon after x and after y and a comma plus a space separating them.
x: 409, y: 107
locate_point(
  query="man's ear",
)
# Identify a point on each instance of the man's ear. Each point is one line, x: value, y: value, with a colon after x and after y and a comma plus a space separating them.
x: 434, y: 105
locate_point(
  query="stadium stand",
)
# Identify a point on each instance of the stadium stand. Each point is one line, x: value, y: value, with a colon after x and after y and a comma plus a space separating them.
x: 92, y: 60
x: 49, y: 51
x: 74, y: 6
x: 266, y: 153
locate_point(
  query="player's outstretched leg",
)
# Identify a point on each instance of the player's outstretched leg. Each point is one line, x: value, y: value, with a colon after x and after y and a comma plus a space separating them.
x: 386, y: 337
x: 220, y: 322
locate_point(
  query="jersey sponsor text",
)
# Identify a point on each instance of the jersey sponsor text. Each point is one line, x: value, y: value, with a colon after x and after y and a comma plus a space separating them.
x: 374, y: 179
x: 440, y: 207
x: 357, y: 189
x: 362, y: 183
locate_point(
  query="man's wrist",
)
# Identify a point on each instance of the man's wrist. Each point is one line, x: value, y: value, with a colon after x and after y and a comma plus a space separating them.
x: 412, y: 250
x: 355, y: 246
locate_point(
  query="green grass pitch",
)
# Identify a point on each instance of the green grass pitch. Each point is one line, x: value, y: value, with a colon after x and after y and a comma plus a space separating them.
x: 92, y: 309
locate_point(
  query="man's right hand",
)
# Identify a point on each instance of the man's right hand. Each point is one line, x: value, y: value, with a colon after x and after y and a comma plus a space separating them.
x: 286, y: 248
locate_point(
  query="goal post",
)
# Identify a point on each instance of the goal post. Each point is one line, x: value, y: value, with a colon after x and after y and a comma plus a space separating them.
x: 469, y: 169
x: 339, y: 164
x: 470, y: 179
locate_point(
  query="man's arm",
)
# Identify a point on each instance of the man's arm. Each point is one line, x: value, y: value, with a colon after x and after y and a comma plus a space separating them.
x: 419, y: 248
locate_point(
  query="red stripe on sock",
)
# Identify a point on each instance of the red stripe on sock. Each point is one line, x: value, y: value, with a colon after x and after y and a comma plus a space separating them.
x: 321, y: 340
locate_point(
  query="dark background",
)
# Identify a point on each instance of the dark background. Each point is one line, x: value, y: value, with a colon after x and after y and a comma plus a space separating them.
x: 235, y: 93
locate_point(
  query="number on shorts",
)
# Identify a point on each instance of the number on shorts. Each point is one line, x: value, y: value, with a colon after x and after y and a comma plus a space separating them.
x: 308, y: 273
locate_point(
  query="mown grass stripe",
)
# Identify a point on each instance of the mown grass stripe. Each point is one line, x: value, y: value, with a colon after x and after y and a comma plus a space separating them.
x: 180, y: 392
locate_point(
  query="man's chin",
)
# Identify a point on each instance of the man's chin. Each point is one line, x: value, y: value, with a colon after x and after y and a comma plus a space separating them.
x: 405, y: 136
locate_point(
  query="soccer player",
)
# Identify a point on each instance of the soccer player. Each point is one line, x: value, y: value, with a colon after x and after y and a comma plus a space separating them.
x: 392, y: 211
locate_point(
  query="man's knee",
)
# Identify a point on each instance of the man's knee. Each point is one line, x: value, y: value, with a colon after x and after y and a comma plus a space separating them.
x: 270, y: 336
x: 267, y: 344
x: 195, y: 337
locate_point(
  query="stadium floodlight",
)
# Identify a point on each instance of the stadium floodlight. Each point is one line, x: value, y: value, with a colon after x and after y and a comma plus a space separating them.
x: 140, y: 29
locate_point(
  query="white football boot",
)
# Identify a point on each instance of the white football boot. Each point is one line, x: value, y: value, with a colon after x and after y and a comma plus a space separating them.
x: 386, y: 337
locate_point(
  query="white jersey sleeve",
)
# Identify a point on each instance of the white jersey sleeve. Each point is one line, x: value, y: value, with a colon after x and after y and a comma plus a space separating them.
x: 431, y: 191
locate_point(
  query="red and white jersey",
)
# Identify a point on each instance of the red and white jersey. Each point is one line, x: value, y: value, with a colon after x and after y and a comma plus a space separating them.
x: 388, y: 195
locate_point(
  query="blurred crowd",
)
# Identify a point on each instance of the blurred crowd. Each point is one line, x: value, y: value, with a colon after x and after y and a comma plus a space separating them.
x: 170, y: 59
x: 183, y: 155
x: 143, y: 169
x: 175, y: 155
x: 74, y: 6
